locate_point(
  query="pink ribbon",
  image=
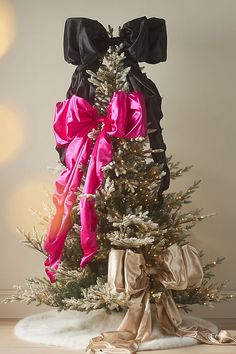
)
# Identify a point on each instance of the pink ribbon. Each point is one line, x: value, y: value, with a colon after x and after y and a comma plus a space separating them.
x: 74, y: 119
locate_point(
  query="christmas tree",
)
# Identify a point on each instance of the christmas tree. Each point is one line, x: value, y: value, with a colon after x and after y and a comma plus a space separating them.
x: 134, y: 213
x: 128, y: 219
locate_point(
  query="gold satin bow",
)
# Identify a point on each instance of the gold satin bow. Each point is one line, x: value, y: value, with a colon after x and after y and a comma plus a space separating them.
x: 177, y: 268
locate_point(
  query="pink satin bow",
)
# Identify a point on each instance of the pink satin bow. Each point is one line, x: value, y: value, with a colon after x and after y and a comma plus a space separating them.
x: 74, y: 119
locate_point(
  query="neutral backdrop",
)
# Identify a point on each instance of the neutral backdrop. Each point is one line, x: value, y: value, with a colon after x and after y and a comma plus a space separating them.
x: 197, y: 83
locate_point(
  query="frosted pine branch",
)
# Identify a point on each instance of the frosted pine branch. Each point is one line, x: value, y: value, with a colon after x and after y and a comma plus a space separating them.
x: 98, y: 296
x: 33, y: 239
x: 119, y: 239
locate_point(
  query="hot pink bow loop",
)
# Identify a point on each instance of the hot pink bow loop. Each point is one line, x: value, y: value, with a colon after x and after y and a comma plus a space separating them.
x: 74, y: 122
x: 127, y: 115
x: 73, y: 117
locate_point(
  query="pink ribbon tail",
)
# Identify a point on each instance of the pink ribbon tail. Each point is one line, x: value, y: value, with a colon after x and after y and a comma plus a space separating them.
x: 101, y: 156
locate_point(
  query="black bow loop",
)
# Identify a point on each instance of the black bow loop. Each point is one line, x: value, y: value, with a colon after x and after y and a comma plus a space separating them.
x: 85, y: 41
x: 145, y: 40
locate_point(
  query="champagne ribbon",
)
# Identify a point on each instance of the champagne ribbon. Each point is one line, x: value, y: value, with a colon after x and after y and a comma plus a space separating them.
x: 177, y: 268
x: 76, y: 125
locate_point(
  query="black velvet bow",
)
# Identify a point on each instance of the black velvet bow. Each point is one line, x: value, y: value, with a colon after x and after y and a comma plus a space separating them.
x: 144, y: 40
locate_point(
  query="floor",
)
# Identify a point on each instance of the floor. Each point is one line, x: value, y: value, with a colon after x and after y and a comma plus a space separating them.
x: 9, y: 344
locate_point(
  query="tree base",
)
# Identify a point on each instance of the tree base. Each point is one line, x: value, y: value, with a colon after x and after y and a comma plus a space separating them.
x: 73, y: 329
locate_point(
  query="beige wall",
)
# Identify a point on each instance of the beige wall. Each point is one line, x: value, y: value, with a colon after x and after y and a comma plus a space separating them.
x: 198, y: 86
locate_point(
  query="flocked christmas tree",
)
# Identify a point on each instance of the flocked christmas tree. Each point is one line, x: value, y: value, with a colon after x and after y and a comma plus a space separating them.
x: 128, y: 219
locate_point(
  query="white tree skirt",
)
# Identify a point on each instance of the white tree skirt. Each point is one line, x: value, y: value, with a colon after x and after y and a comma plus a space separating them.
x: 73, y: 329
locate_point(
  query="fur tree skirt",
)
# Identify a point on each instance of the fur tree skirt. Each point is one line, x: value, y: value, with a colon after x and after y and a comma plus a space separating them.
x: 73, y: 329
